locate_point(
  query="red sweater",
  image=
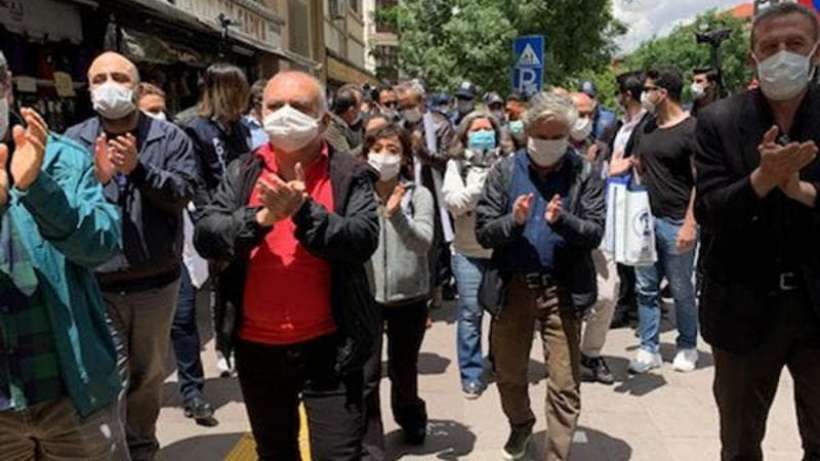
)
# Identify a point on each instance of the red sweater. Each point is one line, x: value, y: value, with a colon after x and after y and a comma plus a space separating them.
x: 287, y: 292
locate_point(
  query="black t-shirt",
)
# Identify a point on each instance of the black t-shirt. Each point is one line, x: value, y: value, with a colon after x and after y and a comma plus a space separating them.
x: 666, y: 156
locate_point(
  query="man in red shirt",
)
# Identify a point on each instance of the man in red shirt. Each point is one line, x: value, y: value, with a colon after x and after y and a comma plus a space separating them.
x: 295, y: 222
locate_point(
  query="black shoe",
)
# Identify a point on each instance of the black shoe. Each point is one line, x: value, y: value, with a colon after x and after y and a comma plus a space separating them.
x: 595, y: 370
x: 415, y: 435
x: 518, y: 443
x: 198, y: 408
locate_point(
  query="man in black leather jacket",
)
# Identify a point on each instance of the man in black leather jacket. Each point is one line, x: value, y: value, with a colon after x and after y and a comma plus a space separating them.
x: 757, y: 182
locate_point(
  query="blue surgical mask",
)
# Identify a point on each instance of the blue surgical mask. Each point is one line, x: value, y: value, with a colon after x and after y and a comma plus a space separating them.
x: 517, y: 127
x: 481, y: 140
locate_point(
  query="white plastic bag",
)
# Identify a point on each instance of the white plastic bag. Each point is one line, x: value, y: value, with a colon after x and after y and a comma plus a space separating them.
x: 630, y: 227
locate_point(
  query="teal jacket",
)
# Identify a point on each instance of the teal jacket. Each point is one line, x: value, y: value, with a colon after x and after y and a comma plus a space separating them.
x: 68, y: 228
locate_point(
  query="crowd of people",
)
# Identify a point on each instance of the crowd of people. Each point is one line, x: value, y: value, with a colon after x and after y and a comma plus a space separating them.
x: 328, y: 227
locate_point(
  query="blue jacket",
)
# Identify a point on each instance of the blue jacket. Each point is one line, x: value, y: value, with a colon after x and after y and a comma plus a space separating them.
x: 68, y: 229
x: 151, y: 200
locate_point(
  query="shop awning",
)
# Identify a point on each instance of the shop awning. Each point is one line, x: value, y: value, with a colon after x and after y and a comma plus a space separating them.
x: 342, y: 71
x: 43, y: 18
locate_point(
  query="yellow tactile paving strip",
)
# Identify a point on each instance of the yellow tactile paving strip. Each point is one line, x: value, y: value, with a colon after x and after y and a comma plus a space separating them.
x: 245, y: 449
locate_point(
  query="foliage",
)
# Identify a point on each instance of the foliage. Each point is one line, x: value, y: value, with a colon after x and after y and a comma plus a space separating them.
x: 444, y: 42
x: 681, y: 50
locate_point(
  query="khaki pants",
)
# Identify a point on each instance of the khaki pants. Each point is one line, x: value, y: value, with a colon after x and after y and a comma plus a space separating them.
x: 745, y: 384
x: 142, y: 321
x: 511, y: 340
x: 54, y: 431
x: 600, y: 316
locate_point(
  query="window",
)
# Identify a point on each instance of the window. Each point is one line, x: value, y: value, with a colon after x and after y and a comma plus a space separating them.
x: 383, y: 24
x: 355, y: 6
x: 387, y: 62
x: 299, y: 27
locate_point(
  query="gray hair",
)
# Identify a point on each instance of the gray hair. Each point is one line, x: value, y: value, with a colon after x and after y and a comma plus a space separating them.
x: 785, y: 9
x: 463, y: 128
x: 412, y: 86
x: 4, y: 68
x: 551, y: 106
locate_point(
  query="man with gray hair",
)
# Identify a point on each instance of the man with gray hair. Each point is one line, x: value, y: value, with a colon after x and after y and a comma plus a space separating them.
x: 757, y: 199
x: 433, y: 137
x: 542, y: 213
x: 294, y: 223
x: 148, y: 170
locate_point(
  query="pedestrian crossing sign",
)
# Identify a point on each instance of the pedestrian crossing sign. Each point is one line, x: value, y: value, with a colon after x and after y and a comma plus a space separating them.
x: 528, y: 70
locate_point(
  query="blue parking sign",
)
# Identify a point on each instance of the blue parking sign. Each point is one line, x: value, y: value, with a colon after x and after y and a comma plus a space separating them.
x: 528, y: 69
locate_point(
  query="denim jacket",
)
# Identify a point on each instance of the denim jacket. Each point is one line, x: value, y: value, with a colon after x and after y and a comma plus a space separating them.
x: 68, y: 229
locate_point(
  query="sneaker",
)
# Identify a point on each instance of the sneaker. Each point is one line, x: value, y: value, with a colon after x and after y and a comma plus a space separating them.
x: 226, y: 369
x: 518, y: 443
x: 473, y: 390
x: 645, y: 361
x: 595, y: 370
x: 686, y: 360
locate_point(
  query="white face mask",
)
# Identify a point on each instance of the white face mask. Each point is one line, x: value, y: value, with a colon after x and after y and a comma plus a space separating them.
x: 647, y: 103
x: 290, y: 129
x: 582, y: 129
x: 388, y: 165
x: 4, y: 118
x: 547, y: 152
x: 157, y: 116
x: 785, y: 75
x: 698, y: 91
x: 412, y: 115
x: 113, y: 101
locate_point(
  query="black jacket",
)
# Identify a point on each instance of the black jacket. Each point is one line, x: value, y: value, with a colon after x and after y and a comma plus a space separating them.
x: 214, y: 149
x: 582, y: 226
x: 151, y: 203
x: 741, y: 255
x: 346, y: 238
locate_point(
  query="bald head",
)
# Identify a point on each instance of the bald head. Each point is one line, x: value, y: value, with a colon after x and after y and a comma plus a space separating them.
x: 115, y: 67
x: 300, y: 90
x: 584, y: 104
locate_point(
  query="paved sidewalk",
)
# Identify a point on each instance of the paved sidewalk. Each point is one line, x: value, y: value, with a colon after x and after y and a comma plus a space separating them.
x: 661, y: 416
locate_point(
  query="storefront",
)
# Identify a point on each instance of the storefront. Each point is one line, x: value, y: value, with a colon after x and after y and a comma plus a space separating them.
x: 340, y: 72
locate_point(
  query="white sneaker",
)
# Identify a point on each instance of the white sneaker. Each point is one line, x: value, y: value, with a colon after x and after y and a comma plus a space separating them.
x: 645, y: 361
x: 686, y: 360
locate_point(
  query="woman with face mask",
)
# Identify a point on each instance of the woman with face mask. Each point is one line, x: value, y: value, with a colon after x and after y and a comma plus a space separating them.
x: 542, y: 213
x: 399, y: 276
x: 480, y: 133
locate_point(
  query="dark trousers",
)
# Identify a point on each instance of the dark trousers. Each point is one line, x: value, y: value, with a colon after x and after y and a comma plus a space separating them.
x: 745, y: 384
x: 274, y: 379
x: 627, y: 304
x: 406, y: 326
x: 185, y: 338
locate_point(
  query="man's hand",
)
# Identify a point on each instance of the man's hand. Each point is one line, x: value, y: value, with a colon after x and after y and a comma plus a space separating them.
x: 394, y: 201
x: 521, y: 208
x: 554, y: 209
x: 779, y: 164
x: 282, y: 199
x: 30, y: 149
x: 620, y: 165
x: 4, y: 175
x: 104, y: 169
x: 124, y: 153
x: 687, y: 237
x: 800, y: 191
x: 592, y: 153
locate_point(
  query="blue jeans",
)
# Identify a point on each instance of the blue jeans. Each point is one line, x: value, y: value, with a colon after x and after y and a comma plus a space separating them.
x: 185, y: 337
x: 468, y: 272
x: 678, y: 269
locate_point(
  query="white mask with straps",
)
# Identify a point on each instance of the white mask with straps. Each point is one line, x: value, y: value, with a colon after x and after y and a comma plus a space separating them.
x: 785, y: 74
x: 290, y: 129
x: 113, y: 101
x: 388, y: 165
x: 547, y: 152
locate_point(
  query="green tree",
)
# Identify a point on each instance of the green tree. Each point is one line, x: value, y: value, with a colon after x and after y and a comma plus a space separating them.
x: 444, y: 42
x: 680, y: 49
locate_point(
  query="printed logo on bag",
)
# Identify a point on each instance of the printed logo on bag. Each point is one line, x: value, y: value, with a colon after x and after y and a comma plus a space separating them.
x: 643, y: 224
